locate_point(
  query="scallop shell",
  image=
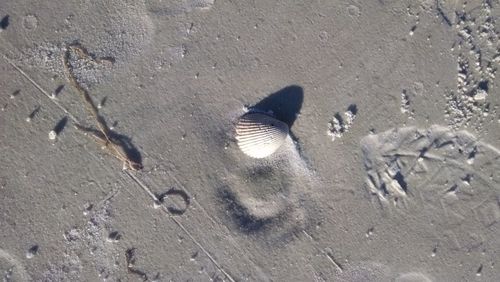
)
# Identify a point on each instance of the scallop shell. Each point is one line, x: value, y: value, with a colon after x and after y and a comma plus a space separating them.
x: 259, y: 135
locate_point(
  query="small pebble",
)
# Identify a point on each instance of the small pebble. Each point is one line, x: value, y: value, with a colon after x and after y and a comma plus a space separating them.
x: 52, y: 135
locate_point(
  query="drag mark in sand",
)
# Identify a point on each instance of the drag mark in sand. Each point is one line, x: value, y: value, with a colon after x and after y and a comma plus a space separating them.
x: 157, y: 200
x: 337, y: 265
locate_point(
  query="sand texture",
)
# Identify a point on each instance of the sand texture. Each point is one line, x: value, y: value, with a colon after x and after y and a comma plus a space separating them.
x: 120, y: 160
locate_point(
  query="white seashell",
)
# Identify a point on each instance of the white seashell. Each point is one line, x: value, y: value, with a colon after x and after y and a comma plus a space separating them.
x: 259, y: 135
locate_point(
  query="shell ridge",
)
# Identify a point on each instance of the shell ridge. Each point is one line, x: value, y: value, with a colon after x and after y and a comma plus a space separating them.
x: 259, y: 135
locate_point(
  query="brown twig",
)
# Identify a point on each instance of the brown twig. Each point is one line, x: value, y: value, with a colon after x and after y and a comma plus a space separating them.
x: 103, y: 135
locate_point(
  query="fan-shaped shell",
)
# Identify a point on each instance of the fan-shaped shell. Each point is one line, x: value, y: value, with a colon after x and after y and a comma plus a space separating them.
x: 259, y: 135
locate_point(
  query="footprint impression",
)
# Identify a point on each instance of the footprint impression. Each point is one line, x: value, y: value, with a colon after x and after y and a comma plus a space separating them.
x: 448, y: 176
x: 405, y: 164
x: 266, y: 194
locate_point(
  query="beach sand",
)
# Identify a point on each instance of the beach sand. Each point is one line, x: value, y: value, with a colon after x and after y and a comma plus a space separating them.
x: 391, y: 170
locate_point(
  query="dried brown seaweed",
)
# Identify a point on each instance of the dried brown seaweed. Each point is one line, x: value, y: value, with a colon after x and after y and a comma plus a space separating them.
x: 103, y: 135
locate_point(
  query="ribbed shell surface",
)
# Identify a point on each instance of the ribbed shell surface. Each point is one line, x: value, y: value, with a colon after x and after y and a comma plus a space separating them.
x: 259, y: 135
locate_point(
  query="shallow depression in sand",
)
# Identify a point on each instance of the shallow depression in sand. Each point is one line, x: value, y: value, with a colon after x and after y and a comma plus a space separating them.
x: 269, y: 196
